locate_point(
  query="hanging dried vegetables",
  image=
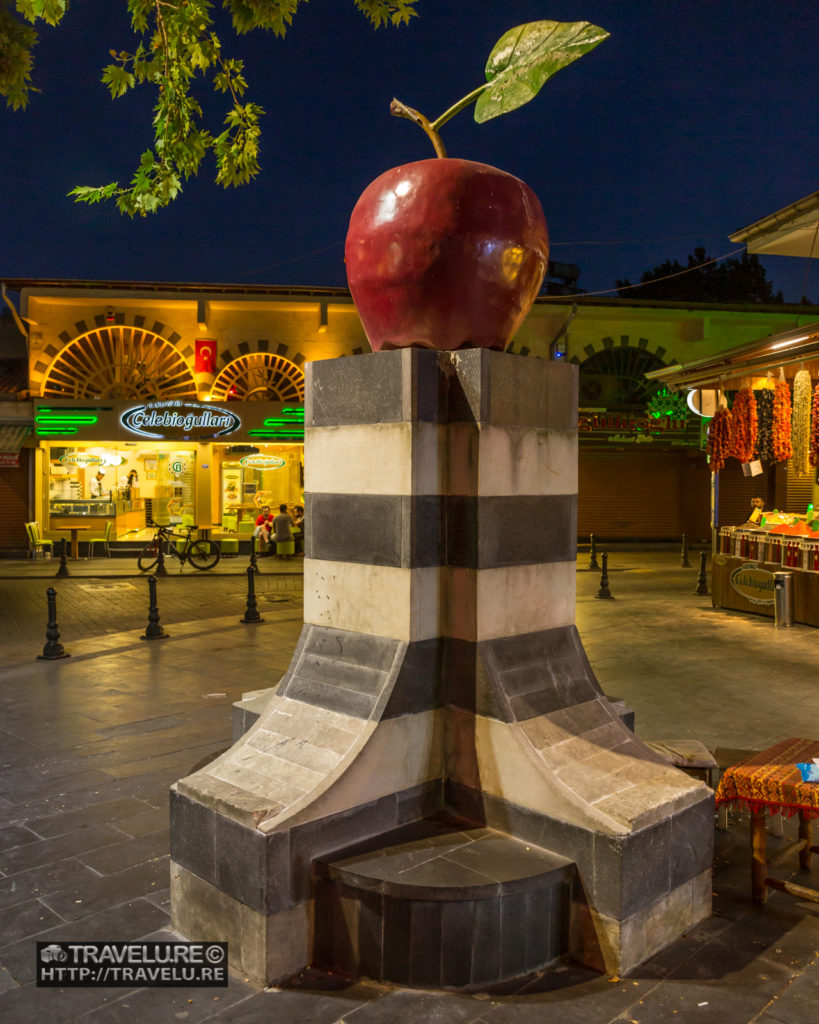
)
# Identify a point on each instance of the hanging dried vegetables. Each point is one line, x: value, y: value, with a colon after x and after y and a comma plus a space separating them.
x: 800, y: 423
x: 782, y: 447
x: 814, y: 429
x: 719, y: 439
x: 743, y: 418
x: 764, y: 425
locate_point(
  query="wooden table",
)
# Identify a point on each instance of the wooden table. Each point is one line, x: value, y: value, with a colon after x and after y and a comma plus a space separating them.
x: 75, y: 540
x: 769, y: 783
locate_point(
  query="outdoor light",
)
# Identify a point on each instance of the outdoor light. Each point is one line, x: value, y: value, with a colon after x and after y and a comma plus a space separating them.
x: 110, y: 316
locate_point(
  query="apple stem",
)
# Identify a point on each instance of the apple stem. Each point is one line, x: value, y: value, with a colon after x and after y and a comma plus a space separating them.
x: 439, y: 122
x: 399, y: 109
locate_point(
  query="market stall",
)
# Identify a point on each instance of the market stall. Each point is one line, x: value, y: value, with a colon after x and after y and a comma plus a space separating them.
x: 763, y: 401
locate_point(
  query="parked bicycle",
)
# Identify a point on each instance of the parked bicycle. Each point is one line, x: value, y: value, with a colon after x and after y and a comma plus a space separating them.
x: 202, y: 554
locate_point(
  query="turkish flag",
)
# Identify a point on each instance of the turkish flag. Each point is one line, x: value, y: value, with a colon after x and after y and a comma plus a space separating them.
x: 205, y: 355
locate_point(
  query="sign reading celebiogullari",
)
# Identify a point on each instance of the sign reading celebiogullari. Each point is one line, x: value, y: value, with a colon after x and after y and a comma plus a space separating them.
x: 176, y: 420
x: 132, y: 964
x: 754, y: 584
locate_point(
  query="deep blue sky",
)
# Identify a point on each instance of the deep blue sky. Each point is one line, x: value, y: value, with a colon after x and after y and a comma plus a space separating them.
x: 696, y: 118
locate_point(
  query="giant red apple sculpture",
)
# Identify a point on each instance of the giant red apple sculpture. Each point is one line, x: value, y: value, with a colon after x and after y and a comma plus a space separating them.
x: 448, y: 253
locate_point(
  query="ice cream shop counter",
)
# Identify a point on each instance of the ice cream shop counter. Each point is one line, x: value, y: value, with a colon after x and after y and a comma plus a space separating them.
x: 746, y: 560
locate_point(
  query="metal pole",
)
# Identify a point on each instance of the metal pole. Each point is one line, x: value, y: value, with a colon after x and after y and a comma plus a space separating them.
x: 604, y: 592
x: 253, y: 559
x: 593, y: 552
x: 53, y: 648
x: 702, y: 576
x: 153, y: 631
x: 684, y: 554
x: 63, y: 570
x: 251, y: 615
x: 160, y: 558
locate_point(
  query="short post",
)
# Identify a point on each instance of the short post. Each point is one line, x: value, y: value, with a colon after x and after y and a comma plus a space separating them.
x: 153, y: 631
x: 253, y: 567
x: 63, y: 570
x: 702, y: 576
x: 160, y: 558
x: 53, y: 648
x: 251, y: 612
x: 604, y: 591
x: 684, y: 563
x: 593, y: 552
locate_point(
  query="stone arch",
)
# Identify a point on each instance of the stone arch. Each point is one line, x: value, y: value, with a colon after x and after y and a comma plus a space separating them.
x: 259, y: 376
x: 117, y: 361
x: 611, y: 375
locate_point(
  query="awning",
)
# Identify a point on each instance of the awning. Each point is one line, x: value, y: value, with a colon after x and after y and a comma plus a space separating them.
x: 792, y: 231
x: 12, y: 437
x: 739, y: 367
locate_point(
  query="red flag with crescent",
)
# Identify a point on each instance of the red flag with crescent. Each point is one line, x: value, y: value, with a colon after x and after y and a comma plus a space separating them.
x: 205, y: 355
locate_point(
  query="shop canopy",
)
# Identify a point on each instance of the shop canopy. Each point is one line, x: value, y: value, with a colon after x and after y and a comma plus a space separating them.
x: 792, y: 231
x: 741, y: 367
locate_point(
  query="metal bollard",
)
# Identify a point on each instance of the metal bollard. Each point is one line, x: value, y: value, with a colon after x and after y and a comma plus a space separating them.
x: 153, y: 630
x: 604, y: 591
x: 592, y: 552
x: 783, y: 598
x: 251, y: 615
x: 53, y: 648
x: 684, y: 563
x: 254, y: 567
x: 702, y: 576
x: 63, y: 570
x: 160, y: 559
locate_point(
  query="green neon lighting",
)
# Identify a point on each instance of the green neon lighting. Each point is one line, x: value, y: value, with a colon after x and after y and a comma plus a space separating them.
x: 71, y: 421
x: 49, y: 432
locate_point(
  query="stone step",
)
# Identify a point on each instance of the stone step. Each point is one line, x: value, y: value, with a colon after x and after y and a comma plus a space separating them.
x: 442, y: 904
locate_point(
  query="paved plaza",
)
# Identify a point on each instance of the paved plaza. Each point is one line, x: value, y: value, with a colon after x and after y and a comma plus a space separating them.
x: 91, y: 743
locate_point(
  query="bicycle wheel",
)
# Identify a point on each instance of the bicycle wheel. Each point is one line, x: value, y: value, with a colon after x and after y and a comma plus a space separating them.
x: 204, y: 554
x: 148, y: 556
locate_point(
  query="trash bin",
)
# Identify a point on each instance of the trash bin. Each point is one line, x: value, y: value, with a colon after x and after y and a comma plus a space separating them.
x: 783, y: 598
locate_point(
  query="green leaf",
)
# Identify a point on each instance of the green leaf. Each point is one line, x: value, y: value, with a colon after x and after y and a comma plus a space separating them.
x: 118, y: 80
x: 526, y: 57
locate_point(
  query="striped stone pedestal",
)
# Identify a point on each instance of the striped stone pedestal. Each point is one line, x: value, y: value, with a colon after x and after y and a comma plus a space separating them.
x: 439, y: 672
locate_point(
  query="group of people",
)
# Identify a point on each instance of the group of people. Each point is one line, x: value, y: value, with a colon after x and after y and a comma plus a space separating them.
x: 279, y: 528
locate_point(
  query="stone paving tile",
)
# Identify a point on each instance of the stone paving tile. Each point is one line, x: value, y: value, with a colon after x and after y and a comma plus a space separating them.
x: 40, y: 881
x: 129, y: 853
x: 28, y: 1004
x: 68, y: 821
x: 123, y: 922
x: 799, y: 1002
x: 58, y: 848
x: 16, y: 835
x: 28, y: 918
x: 91, y: 897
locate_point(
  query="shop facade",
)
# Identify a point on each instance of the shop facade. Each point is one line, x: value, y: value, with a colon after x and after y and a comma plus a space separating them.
x: 99, y: 352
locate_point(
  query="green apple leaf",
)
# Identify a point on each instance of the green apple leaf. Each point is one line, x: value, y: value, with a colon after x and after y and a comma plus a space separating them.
x: 526, y: 57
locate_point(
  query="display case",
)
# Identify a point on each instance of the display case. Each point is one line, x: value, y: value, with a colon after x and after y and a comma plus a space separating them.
x: 90, y: 507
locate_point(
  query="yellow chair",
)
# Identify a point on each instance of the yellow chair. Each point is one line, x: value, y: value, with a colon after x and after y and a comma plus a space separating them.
x: 101, y: 539
x: 37, y: 542
x: 229, y: 545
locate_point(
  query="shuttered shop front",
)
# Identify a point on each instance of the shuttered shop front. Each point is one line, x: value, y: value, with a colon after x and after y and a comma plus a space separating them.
x: 642, y: 495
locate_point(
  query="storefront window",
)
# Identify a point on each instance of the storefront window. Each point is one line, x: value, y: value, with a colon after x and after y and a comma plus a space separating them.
x: 266, y: 475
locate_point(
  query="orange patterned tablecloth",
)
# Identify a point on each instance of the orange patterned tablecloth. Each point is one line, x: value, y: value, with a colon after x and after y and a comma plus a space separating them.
x: 770, y: 780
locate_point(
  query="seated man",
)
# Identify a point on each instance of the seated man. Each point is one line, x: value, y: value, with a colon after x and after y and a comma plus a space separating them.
x: 282, y: 527
x: 264, y: 522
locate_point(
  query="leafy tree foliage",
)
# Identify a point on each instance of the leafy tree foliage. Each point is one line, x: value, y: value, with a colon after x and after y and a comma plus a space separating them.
x: 176, y: 46
x: 742, y: 280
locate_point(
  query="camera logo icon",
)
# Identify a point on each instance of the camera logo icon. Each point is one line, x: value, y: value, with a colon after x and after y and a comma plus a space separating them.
x: 53, y: 954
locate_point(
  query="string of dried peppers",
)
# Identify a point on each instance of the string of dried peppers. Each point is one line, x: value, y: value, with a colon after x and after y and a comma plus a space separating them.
x: 719, y: 439
x: 814, y: 429
x: 764, y: 425
x: 800, y: 423
x: 743, y: 417
x: 782, y: 447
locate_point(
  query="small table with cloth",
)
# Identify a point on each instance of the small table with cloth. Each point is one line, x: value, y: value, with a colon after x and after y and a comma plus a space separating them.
x: 769, y: 781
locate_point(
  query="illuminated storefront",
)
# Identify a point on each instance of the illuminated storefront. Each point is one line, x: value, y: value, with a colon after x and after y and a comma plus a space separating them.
x: 169, y: 461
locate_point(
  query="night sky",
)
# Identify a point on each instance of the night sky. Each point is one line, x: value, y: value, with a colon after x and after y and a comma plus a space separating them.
x: 694, y: 119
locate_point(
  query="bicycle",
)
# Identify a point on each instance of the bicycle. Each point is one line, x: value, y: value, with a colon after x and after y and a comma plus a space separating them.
x: 202, y: 554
